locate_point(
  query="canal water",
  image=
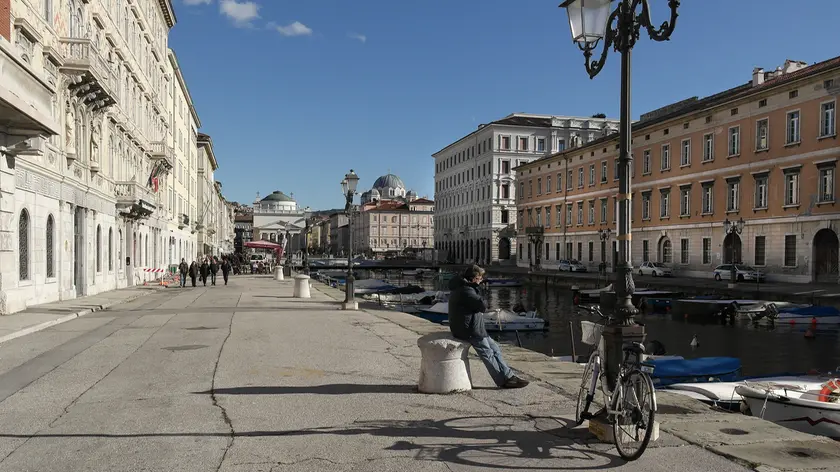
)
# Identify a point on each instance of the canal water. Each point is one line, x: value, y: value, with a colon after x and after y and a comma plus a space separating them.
x: 763, y: 350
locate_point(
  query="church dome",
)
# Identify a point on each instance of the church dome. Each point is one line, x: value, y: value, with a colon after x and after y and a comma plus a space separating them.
x: 388, y: 181
x: 277, y: 196
x: 374, y: 193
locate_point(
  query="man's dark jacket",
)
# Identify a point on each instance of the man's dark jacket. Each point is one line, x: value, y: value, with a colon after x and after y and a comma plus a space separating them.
x: 466, y: 310
x: 183, y: 268
x: 214, y: 268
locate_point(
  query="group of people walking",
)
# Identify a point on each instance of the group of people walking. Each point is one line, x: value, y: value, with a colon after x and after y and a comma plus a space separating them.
x: 208, y: 267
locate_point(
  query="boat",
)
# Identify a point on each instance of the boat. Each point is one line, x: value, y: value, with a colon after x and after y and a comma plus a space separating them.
x: 415, y: 272
x: 704, y: 369
x: 709, y: 308
x: 768, y: 310
x: 583, y: 296
x: 494, y: 321
x: 498, y: 282
x: 361, y: 287
x: 404, y: 297
x: 799, y: 405
x: 723, y: 394
x: 812, y: 315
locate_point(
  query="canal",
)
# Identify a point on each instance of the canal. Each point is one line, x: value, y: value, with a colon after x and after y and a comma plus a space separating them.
x: 763, y: 350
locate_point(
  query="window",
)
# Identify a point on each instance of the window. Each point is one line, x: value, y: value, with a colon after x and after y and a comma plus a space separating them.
x: 664, y: 203
x: 539, y: 186
x: 98, y: 248
x: 646, y: 206
x: 591, y: 175
x: 523, y: 144
x: 569, y: 177
x: 683, y: 251
x: 645, y: 251
x: 580, y: 177
x: 790, y: 250
x: 707, y: 250
x: 505, y: 190
x: 603, y: 172
x: 708, y: 199
x: 50, y: 246
x: 569, y: 214
x: 685, y: 152
x: 547, y: 217
x: 734, y: 141
x: 666, y: 157
x: 592, y: 212
x: 521, y: 190
x: 580, y: 252
x: 561, y: 144
x: 23, y: 245
x: 827, y: 119
x: 762, y: 103
x: 616, y: 171
x: 591, y: 251
x: 505, y: 217
x: 559, y: 182
x: 666, y: 251
x: 645, y: 162
x: 504, y: 143
x: 506, y: 167
x: 558, y: 211
x: 708, y: 147
x: 792, y: 134
x: 685, y: 201
x: 603, y: 210
x: 557, y: 251
x: 580, y: 213
x: 541, y: 148
x: 733, y: 190
x: 793, y: 94
x: 761, y: 191
x: 826, y: 184
x: 792, y: 188
x: 759, y: 251
x: 762, y: 142
x: 548, y: 184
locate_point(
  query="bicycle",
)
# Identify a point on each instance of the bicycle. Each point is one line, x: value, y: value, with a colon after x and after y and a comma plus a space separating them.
x: 633, y: 378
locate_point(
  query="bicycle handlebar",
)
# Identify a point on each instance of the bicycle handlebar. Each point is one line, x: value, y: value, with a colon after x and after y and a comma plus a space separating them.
x: 596, y: 310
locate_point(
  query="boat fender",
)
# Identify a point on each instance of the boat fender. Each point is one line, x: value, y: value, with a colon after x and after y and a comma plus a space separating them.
x: 830, y: 392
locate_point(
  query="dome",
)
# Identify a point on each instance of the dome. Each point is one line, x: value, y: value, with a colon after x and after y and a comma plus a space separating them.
x: 277, y: 196
x: 389, y: 181
x: 374, y: 193
x: 411, y: 194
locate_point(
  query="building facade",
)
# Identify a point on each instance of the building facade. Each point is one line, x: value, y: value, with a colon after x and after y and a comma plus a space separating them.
x: 339, y: 235
x: 92, y: 141
x: 392, y: 219
x: 765, y: 152
x: 475, y: 188
x: 276, y: 217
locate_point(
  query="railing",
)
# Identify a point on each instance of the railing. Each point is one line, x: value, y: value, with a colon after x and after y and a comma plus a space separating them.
x: 535, y: 230
x: 132, y: 192
x: 81, y: 53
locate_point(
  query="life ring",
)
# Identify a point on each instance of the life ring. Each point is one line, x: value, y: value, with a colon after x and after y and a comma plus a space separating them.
x: 830, y: 392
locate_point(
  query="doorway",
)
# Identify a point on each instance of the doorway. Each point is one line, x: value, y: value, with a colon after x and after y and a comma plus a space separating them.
x: 78, y: 250
x: 732, y: 249
x: 826, y: 257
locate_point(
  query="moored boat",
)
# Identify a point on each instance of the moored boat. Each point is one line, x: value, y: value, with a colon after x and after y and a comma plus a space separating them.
x: 703, y: 369
x: 499, y: 282
x: 810, y: 407
x: 494, y: 321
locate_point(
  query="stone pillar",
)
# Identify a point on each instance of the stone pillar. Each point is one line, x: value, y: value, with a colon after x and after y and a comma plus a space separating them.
x: 7, y: 205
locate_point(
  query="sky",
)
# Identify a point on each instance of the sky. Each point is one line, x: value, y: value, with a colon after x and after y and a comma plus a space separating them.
x: 295, y: 93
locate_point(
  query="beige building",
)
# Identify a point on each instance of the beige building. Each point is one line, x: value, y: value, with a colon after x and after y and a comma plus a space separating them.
x: 765, y: 152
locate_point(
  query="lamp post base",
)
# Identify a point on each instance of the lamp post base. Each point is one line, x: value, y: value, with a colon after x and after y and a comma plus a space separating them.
x: 615, y: 337
x: 731, y: 285
x: 351, y: 305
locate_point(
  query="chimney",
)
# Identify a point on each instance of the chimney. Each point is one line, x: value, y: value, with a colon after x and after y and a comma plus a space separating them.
x: 6, y: 19
x: 758, y: 76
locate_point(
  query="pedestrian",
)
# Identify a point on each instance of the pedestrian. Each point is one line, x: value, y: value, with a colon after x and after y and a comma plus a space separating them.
x: 225, y: 269
x: 205, y: 271
x: 182, y: 269
x: 466, y: 322
x: 193, y: 271
x: 214, y: 268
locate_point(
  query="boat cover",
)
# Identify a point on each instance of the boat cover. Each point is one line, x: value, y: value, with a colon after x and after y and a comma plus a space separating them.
x: 704, y: 369
x: 811, y: 311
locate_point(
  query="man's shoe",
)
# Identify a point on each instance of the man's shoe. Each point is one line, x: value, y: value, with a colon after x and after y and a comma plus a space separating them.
x: 515, y: 382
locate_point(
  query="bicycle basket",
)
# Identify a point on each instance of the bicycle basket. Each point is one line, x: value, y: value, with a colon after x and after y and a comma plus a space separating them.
x: 590, y: 333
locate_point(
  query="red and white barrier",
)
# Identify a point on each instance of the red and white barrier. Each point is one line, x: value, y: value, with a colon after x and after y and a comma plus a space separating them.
x: 154, y: 270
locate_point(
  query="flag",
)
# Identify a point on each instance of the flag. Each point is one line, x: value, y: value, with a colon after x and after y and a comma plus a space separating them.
x: 154, y: 176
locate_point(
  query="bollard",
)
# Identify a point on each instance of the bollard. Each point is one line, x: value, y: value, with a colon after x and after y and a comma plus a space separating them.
x: 278, y: 273
x: 302, y: 286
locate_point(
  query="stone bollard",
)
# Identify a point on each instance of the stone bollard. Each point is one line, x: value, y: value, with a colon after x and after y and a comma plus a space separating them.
x: 278, y: 273
x: 301, y: 286
x: 444, y: 367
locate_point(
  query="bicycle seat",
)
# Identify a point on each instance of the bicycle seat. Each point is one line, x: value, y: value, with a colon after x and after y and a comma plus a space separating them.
x: 635, y: 348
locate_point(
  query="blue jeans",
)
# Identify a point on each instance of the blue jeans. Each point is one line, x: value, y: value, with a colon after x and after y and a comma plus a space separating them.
x: 489, y: 353
x: 183, y: 280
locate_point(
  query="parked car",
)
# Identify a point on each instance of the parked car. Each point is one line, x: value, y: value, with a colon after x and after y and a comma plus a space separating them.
x: 571, y: 265
x: 656, y: 269
x: 742, y: 273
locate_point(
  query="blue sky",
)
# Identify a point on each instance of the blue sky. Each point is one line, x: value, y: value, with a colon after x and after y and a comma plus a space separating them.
x: 297, y: 92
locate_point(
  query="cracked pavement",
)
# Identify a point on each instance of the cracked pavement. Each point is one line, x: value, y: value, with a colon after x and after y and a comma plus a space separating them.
x: 246, y: 378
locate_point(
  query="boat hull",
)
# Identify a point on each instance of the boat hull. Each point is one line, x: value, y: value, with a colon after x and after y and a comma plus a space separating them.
x: 807, y: 416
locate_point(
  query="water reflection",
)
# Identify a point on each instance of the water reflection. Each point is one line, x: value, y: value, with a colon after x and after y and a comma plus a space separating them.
x: 762, y: 349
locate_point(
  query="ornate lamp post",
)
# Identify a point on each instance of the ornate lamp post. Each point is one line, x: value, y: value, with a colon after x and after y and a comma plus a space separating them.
x: 288, y: 244
x: 348, y: 188
x: 306, y: 229
x: 604, y: 236
x: 734, y: 228
x: 591, y: 21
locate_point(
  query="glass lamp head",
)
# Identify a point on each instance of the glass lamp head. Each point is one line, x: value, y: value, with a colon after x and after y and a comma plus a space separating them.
x: 740, y: 224
x: 587, y: 19
x: 727, y: 226
x: 344, y: 187
x: 352, y: 181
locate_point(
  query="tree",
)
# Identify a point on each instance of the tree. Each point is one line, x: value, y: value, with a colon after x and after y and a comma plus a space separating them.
x: 599, y: 115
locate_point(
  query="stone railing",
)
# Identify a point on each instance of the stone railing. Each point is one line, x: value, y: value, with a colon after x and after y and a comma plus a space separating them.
x: 130, y: 192
x: 81, y: 54
x: 163, y: 152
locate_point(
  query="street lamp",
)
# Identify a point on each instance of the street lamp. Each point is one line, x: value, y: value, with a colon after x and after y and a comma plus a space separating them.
x: 288, y: 246
x: 734, y: 228
x: 348, y: 188
x: 604, y: 236
x: 591, y: 21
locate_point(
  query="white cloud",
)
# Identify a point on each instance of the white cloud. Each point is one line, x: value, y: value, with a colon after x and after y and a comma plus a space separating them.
x: 242, y: 13
x: 358, y: 36
x: 294, y: 29
x: 197, y: 2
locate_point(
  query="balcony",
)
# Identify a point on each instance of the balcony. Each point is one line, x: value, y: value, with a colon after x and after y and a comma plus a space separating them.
x: 183, y: 221
x: 134, y: 200
x: 163, y: 154
x: 535, y: 230
x: 92, y: 78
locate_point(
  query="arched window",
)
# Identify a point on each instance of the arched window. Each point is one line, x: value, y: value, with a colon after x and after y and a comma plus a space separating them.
x: 48, y: 11
x: 119, y: 250
x: 110, y: 249
x: 98, y: 248
x: 23, y: 245
x: 50, y: 245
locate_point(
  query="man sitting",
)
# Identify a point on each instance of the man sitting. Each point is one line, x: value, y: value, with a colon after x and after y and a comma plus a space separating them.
x: 466, y: 322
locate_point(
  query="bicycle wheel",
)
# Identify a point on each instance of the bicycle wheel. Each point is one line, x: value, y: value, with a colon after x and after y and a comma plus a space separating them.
x: 635, y: 409
x: 585, y: 396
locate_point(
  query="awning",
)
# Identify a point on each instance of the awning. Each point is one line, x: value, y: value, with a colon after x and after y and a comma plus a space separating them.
x: 262, y: 244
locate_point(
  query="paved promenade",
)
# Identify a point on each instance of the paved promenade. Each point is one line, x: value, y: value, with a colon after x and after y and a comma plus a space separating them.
x: 245, y: 378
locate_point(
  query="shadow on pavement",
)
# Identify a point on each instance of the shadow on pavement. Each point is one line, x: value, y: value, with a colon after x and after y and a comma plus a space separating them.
x: 328, y: 389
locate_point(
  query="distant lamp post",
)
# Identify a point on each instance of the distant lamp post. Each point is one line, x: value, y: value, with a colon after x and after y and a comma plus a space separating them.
x: 604, y: 236
x: 348, y: 188
x: 288, y: 246
x: 735, y: 229
x: 591, y: 22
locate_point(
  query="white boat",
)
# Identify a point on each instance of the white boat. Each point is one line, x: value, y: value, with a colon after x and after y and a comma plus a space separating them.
x: 494, y: 321
x: 406, y: 297
x: 723, y: 394
x: 795, y: 405
x: 361, y: 287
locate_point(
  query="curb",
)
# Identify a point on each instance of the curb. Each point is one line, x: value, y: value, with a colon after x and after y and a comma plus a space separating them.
x: 48, y: 324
